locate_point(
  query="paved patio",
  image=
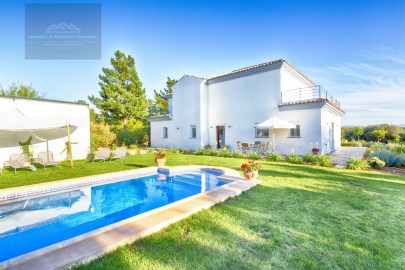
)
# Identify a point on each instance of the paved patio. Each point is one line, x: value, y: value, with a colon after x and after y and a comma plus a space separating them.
x: 341, y: 155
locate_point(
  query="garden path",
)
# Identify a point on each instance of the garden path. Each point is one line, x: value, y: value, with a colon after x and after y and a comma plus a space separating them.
x: 342, y: 154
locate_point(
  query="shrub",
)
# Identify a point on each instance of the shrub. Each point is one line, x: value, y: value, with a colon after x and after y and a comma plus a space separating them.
x: 274, y: 157
x: 254, y: 156
x: 402, y: 159
x: 367, y: 154
x: 224, y: 152
x: 398, y: 148
x: 294, y: 159
x: 367, y: 144
x: 100, y: 136
x: 390, y: 158
x: 199, y: 151
x: 173, y: 150
x: 357, y: 144
x: 356, y: 164
x: 325, y: 161
x: 378, y: 146
x: 346, y: 143
x: 212, y: 152
x: 312, y: 159
x: 237, y: 154
x: 375, y: 162
x: 185, y: 151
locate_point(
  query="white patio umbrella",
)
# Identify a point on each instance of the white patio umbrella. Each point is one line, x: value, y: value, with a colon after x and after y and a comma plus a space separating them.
x: 275, y: 123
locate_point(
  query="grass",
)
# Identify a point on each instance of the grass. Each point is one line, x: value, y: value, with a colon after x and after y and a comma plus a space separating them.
x: 300, y: 217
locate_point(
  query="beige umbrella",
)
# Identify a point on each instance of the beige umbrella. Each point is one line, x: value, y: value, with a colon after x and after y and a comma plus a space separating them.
x: 275, y: 123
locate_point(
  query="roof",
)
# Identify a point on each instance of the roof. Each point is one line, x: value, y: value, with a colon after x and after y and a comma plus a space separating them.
x: 249, y: 68
x: 308, y: 101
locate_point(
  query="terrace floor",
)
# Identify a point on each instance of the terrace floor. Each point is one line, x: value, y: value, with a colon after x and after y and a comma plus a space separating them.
x: 341, y: 155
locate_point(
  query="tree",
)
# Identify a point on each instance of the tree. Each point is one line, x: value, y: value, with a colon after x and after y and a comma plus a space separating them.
x: 18, y: 89
x: 160, y: 105
x: 358, y: 131
x: 379, y: 134
x: 121, y: 96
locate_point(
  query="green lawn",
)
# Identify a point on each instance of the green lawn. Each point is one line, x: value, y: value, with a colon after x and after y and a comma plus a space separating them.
x: 300, y: 217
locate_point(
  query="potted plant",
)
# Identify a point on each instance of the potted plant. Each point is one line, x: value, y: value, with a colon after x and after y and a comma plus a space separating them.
x: 315, y: 151
x: 251, y: 169
x: 160, y: 158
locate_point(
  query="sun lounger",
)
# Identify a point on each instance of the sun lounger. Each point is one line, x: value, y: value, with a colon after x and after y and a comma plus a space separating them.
x: 19, y: 161
x: 46, y: 159
x: 119, y: 153
x: 102, y: 154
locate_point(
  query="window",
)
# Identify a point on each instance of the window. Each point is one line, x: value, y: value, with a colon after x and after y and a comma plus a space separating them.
x: 295, y: 132
x: 165, y: 133
x: 193, y: 132
x: 262, y: 132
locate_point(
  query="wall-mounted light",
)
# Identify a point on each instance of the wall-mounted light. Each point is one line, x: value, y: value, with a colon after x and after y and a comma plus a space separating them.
x: 210, y: 127
x: 177, y: 128
x: 229, y: 126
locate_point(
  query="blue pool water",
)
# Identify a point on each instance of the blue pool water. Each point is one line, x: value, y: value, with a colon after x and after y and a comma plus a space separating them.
x: 35, y: 223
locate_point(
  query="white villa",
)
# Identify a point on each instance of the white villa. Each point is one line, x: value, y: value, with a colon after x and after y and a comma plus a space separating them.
x: 224, y: 109
x: 46, y: 121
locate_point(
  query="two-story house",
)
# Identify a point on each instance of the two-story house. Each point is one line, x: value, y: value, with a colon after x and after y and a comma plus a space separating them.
x: 227, y: 108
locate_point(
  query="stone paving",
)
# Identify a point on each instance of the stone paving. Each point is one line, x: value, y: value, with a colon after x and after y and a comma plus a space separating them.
x: 342, y: 154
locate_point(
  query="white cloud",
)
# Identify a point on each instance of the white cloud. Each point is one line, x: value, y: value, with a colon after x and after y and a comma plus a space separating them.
x: 372, y: 90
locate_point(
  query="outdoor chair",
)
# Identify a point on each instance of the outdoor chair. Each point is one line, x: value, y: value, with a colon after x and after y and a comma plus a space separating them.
x: 256, y: 146
x: 239, y: 144
x: 19, y: 161
x: 119, y: 153
x: 263, y: 148
x: 102, y: 154
x: 46, y: 159
x: 245, y: 147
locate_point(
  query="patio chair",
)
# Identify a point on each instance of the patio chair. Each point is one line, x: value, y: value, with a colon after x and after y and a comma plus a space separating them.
x: 239, y: 144
x: 46, y: 159
x: 263, y: 148
x: 256, y: 146
x: 102, y: 154
x: 19, y: 161
x: 245, y: 147
x: 119, y: 153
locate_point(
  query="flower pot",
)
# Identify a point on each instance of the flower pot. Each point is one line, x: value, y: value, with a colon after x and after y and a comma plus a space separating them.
x: 251, y: 175
x: 315, y: 152
x: 160, y: 162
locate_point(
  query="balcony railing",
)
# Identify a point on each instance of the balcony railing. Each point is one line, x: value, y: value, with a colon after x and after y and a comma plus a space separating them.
x: 308, y: 94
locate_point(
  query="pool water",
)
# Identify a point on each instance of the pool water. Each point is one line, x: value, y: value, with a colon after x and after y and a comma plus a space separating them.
x: 35, y: 223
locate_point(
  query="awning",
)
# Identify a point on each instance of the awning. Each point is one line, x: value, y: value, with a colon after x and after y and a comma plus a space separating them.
x: 275, y: 122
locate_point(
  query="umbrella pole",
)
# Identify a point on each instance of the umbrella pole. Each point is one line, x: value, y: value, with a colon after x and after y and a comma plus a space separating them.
x: 272, y: 132
x: 69, y: 146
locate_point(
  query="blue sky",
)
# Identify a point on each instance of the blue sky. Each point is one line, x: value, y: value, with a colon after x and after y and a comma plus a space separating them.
x: 355, y: 49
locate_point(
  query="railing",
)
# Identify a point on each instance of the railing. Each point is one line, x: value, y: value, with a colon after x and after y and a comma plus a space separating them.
x: 307, y: 94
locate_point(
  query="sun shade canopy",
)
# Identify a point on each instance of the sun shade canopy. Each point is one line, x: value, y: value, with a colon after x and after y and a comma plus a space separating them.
x: 275, y: 122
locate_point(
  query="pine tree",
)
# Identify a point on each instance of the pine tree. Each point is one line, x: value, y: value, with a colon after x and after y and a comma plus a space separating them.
x: 160, y: 104
x: 121, y: 96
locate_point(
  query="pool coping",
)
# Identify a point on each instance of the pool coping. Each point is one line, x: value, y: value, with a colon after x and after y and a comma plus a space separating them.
x: 45, y: 258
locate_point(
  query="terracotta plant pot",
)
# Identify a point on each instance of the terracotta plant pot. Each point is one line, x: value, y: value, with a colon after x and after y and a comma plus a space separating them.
x: 251, y: 175
x: 160, y: 162
x: 315, y: 153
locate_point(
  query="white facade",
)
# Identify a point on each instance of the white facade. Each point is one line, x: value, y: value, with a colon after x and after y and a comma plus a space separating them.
x: 225, y: 109
x: 46, y: 121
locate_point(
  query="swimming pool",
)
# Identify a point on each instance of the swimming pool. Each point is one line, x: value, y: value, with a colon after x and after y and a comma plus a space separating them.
x: 38, y: 222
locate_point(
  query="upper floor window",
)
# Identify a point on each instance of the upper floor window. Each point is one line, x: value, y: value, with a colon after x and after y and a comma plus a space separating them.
x: 295, y: 132
x: 193, y: 132
x: 165, y: 133
x: 262, y: 133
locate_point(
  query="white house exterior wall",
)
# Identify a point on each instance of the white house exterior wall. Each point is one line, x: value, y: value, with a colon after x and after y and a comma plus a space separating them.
x: 331, y: 130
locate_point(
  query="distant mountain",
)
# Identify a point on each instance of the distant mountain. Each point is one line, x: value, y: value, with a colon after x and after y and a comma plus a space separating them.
x: 402, y: 125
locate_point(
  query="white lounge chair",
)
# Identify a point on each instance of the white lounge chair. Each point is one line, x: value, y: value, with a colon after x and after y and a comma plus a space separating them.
x: 19, y: 161
x: 102, y: 154
x: 119, y: 153
x: 46, y: 159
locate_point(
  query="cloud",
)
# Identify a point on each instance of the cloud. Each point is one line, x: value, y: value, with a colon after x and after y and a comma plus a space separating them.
x: 371, y: 90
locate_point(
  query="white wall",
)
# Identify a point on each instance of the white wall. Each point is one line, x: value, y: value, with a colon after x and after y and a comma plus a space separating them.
x: 42, y: 108
x: 331, y: 129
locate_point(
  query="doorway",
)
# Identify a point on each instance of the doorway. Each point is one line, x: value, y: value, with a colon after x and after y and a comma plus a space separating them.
x: 220, y: 136
x: 332, y: 136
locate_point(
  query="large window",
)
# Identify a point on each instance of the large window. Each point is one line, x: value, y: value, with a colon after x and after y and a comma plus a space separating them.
x: 262, y: 132
x: 193, y: 132
x: 165, y: 133
x: 295, y: 132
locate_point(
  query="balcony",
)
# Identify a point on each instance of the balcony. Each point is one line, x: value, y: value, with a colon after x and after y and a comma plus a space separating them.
x: 308, y: 94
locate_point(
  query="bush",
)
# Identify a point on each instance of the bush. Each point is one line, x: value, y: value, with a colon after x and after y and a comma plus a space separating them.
x: 378, y: 146
x: 346, y: 143
x: 312, y: 159
x: 100, y: 136
x: 367, y: 144
x: 212, y: 152
x: 294, y: 159
x: 254, y: 156
x: 185, y: 151
x: 274, y: 157
x: 398, y: 148
x: 237, y: 154
x: 199, y: 152
x: 325, y: 161
x: 402, y: 159
x: 367, y: 154
x: 173, y: 150
x: 375, y: 162
x: 357, y: 144
x: 224, y: 152
x: 390, y: 158
x: 356, y: 164
x: 126, y: 137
